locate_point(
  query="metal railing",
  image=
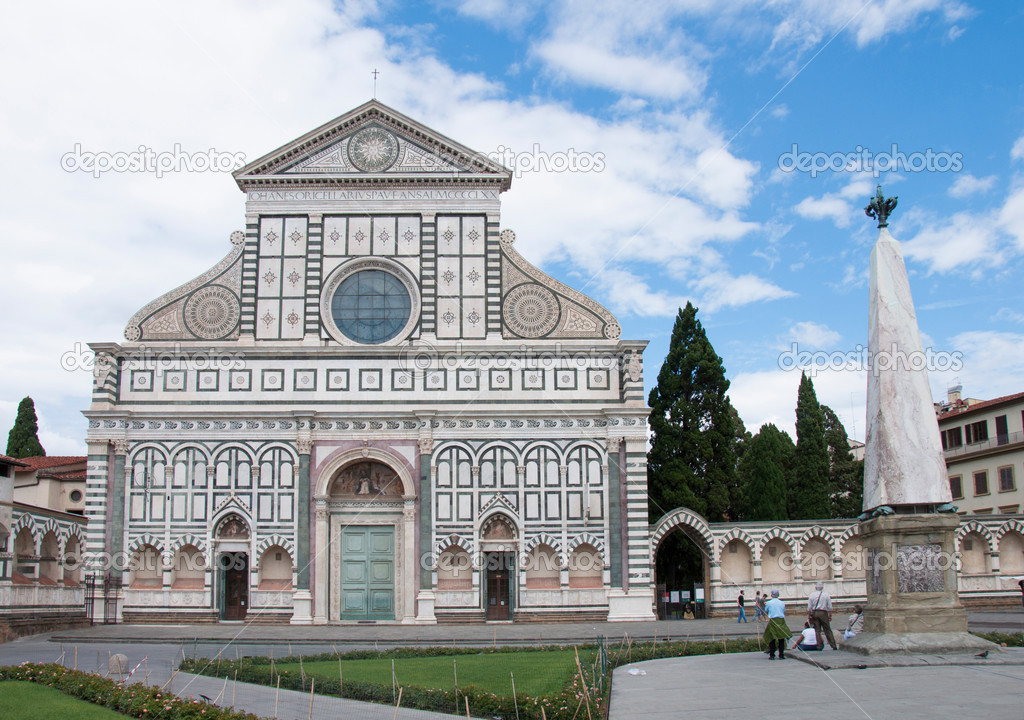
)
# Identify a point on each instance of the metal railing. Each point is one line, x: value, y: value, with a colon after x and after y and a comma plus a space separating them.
x: 992, y: 442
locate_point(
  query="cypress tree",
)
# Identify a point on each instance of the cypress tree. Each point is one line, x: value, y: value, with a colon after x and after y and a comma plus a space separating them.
x: 23, y: 440
x: 846, y: 475
x: 764, y: 467
x: 808, y: 496
x: 692, y: 461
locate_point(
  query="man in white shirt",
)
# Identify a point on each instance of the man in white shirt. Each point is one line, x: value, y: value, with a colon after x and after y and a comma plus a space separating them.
x: 819, y: 614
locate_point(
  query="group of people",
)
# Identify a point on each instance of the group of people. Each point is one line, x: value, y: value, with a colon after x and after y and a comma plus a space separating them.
x: 817, y: 628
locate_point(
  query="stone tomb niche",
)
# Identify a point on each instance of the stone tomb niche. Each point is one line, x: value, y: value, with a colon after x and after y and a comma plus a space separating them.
x: 367, y: 481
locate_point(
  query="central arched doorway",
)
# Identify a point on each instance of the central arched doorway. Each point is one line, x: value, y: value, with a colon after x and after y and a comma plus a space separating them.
x: 232, y: 542
x: 681, y: 551
x: 365, y: 540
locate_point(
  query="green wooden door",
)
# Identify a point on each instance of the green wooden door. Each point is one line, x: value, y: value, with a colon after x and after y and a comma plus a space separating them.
x: 368, y: 573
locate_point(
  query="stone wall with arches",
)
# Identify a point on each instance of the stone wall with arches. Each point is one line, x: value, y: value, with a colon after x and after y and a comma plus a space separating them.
x: 792, y: 556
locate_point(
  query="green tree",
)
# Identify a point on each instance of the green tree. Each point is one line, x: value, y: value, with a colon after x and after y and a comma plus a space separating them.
x: 846, y: 475
x: 763, y: 468
x: 23, y: 440
x: 692, y: 461
x: 808, y: 496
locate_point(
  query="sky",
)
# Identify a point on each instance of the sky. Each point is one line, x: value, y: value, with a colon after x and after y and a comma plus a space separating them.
x: 713, y: 151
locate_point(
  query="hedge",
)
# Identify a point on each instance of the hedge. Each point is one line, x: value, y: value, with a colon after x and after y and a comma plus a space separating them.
x: 136, y: 700
x: 592, y: 691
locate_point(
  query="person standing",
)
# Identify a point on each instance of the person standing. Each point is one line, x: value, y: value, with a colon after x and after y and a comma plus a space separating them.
x: 740, y: 602
x: 819, y: 614
x: 759, y: 601
x: 1021, y: 584
x: 776, y: 633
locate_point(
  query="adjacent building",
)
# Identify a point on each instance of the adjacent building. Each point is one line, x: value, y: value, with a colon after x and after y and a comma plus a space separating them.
x: 984, y: 446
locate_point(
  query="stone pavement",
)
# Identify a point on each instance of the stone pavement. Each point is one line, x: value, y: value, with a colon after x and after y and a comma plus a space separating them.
x: 726, y: 686
x: 748, y: 685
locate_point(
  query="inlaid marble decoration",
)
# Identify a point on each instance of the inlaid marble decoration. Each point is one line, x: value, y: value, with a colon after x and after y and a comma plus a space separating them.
x: 919, y: 568
x: 875, y: 584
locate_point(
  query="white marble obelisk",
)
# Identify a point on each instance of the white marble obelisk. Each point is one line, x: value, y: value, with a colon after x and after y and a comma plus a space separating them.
x: 909, y: 547
x: 903, y: 461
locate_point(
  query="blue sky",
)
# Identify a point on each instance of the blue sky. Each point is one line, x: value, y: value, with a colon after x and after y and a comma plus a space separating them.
x: 688, y: 104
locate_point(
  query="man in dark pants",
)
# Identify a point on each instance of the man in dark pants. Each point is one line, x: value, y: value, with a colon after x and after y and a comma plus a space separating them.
x: 819, y: 613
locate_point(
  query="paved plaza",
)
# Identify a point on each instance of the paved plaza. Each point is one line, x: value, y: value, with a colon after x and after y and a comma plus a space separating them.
x: 744, y: 685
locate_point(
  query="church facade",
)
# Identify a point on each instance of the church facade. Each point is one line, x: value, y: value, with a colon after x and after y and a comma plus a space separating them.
x: 372, y: 409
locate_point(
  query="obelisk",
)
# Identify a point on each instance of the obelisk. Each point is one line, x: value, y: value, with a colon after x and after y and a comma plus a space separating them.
x: 908, y: 526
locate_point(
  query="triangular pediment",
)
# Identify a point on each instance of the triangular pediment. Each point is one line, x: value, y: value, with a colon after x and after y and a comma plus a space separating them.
x: 376, y: 144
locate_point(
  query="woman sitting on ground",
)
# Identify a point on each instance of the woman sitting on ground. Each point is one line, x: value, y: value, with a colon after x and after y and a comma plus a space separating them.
x: 806, y: 640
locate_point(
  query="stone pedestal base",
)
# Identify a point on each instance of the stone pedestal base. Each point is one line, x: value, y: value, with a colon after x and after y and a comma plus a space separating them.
x: 302, y: 608
x: 630, y: 607
x: 425, y: 608
x: 913, y: 605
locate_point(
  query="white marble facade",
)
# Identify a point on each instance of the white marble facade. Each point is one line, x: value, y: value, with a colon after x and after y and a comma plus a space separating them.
x: 372, y: 409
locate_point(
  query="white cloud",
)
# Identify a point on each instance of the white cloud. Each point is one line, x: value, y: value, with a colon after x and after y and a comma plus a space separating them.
x: 1011, y: 217
x: 1017, y: 151
x: 961, y: 241
x: 646, y: 75
x: 967, y: 184
x: 813, y: 335
x: 720, y: 289
x: 629, y: 295
x: 827, y: 207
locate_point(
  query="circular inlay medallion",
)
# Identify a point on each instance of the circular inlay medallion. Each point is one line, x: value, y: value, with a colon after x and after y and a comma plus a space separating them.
x: 530, y: 310
x: 211, y: 312
x: 373, y: 149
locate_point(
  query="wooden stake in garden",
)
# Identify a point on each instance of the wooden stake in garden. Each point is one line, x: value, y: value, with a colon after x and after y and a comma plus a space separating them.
x: 108, y: 663
x: 221, y: 693
x: 394, y: 680
x: 398, y: 704
x: 467, y: 708
x: 494, y: 642
x: 277, y: 695
x: 302, y: 672
x: 234, y: 686
x: 583, y: 682
x: 76, y: 657
x: 311, y: 686
x: 455, y: 674
x: 271, y: 662
x: 341, y: 686
x: 515, y: 701
x: 146, y: 660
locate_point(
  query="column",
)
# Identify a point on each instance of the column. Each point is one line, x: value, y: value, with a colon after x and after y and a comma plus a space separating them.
x: 425, y: 596
x: 302, y: 599
x: 322, y: 560
x: 615, y: 543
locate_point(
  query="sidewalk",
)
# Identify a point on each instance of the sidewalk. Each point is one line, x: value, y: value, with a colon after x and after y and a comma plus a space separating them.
x: 349, y: 637
x: 748, y: 685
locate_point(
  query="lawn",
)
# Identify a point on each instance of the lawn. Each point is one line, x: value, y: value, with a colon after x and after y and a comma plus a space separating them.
x: 536, y: 673
x: 30, y: 701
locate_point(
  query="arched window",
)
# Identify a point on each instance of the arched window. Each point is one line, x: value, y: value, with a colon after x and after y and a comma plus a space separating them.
x: 26, y: 562
x: 454, y: 569
x: 275, y: 569
x: 585, y: 567
x: 542, y: 569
